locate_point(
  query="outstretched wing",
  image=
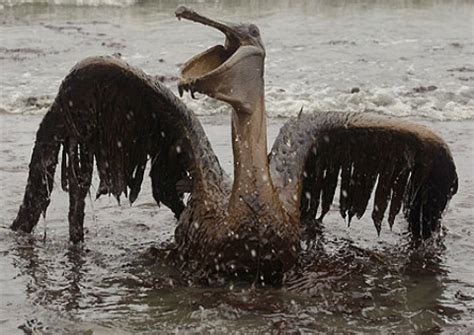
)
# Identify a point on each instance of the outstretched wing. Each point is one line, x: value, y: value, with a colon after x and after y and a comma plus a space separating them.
x: 404, y: 162
x: 116, y: 114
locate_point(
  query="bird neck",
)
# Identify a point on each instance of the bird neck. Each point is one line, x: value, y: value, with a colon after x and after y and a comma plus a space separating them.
x: 252, y: 183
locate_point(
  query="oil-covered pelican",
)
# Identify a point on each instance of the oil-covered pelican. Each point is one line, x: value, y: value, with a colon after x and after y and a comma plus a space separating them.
x: 120, y: 117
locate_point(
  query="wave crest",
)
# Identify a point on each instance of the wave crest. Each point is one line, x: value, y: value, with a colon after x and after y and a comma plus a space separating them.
x: 425, y: 102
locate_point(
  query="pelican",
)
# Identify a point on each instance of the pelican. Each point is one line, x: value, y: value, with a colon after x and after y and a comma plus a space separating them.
x: 116, y: 115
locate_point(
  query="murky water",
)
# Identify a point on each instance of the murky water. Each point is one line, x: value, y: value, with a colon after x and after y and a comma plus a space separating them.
x: 409, y: 60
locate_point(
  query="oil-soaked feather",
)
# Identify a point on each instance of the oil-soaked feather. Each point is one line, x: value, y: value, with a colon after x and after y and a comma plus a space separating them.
x: 41, y: 171
x: 64, y: 163
x: 329, y: 185
x: 316, y: 186
x: 398, y: 190
x: 374, y: 152
x: 344, y: 199
x: 365, y: 174
x: 136, y: 182
x: 117, y: 114
x: 382, y: 194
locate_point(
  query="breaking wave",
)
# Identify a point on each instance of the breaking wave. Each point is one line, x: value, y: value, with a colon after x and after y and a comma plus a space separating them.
x: 424, y: 102
x: 427, y: 102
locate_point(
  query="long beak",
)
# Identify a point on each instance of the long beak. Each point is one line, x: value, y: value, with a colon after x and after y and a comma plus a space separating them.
x: 183, y: 12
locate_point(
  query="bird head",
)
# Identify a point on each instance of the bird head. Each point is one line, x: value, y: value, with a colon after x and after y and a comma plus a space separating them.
x: 232, y: 72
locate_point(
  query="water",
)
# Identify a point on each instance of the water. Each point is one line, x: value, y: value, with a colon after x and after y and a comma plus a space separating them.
x: 410, y: 60
x: 316, y: 51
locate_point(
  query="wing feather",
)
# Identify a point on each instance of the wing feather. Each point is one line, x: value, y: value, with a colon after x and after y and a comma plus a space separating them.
x: 401, y: 163
x: 124, y: 118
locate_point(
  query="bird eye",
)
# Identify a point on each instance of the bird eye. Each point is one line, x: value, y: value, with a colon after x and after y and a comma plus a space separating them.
x: 254, y: 31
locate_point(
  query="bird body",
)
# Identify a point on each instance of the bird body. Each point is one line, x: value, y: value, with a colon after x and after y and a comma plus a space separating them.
x: 116, y: 115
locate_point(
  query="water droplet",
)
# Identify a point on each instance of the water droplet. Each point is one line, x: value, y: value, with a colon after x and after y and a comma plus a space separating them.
x: 178, y: 149
x: 253, y: 253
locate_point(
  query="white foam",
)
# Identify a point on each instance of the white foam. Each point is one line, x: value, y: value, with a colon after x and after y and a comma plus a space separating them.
x: 439, y: 104
x: 18, y: 104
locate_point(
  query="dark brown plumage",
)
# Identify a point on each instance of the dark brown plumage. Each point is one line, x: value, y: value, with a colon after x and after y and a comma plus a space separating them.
x: 114, y: 114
